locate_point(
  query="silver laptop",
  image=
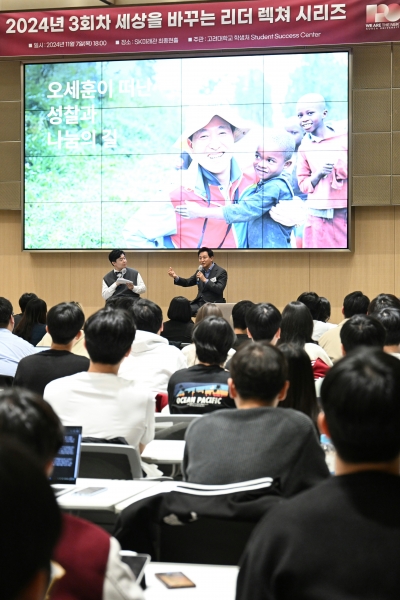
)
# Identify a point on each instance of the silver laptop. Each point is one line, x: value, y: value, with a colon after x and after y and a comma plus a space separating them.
x: 66, y: 463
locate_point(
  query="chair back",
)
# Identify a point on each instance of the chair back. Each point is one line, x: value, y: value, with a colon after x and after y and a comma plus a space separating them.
x: 109, y: 461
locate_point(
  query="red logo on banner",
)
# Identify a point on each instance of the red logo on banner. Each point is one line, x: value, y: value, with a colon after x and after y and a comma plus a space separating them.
x: 383, y: 13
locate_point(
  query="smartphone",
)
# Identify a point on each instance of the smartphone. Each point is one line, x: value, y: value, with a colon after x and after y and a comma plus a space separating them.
x: 175, y: 580
x: 90, y: 491
x: 136, y: 562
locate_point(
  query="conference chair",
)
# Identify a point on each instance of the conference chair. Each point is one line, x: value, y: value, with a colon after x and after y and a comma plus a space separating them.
x: 109, y: 461
x: 194, y: 523
x: 226, y: 309
x: 172, y: 427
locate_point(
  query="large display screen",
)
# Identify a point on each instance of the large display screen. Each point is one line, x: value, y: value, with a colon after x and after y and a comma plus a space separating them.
x: 232, y: 152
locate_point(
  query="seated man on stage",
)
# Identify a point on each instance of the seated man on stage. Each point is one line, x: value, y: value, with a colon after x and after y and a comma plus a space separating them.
x: 210, y: 279
x: 122, y: 280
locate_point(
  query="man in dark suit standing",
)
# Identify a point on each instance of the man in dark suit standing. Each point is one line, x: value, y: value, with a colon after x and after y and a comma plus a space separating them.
x: 210, y: 280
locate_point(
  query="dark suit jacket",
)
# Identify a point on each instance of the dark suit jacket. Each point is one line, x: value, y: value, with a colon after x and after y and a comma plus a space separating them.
x: 212, y: 291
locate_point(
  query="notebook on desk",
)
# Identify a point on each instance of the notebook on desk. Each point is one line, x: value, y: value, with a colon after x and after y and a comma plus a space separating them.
x: 66, y: 463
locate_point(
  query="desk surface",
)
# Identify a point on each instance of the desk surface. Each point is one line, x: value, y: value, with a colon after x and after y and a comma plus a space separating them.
x: 117, y: 490
x: 213, y: 582
x: 164, y: 452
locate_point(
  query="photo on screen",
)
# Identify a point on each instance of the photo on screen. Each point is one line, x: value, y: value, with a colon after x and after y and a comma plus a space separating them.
x: 234, y: 152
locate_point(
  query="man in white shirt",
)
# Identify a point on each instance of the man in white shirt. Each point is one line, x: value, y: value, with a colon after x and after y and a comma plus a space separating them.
x: 12, y: 347
x: 106, y: 405
x: 122, y: 280
x: 152, y: 360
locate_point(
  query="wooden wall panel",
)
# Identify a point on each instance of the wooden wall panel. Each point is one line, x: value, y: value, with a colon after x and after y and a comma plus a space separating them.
x: 370, y: 268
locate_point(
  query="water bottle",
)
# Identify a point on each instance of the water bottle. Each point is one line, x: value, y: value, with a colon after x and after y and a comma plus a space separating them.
x: 330, y: 453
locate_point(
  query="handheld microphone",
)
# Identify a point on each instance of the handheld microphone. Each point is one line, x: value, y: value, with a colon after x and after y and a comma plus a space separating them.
x: 201, y: 270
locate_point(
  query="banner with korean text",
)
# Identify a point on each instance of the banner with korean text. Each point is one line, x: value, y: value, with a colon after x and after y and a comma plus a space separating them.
x: 196, y: 27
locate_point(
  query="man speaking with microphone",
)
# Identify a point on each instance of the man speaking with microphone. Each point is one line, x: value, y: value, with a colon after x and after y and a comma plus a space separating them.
x: 210, y: 280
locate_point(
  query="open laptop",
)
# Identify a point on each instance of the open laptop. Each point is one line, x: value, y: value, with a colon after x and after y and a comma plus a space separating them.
x: 66, y: 463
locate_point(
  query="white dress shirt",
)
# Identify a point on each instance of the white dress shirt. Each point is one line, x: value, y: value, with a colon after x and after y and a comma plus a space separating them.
x: 107, y: 292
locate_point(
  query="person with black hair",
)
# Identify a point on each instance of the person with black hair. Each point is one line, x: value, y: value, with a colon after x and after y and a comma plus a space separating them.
x: 210, y: 279
x: 12, y: 347
x: 179, y: 328
x: 106, y: 405
x: 362, y: 330
x: 23, y: 301
x: 297, y: 328
x: 263, y: 322
x: 301, y: 393
x: 64, y: 324
x: 87, y: 554
x: 151, y: 361
x: 30, y: 524
x: 122, y: 280
x: 355, y: 303
x: 239, y: 312
x: 383, y: 301
x: 32, y: 326
x: 257, y: 440
x: 340, y: 539
x: 390, y: 319
x: 318, y: 307
x: 204, y: 386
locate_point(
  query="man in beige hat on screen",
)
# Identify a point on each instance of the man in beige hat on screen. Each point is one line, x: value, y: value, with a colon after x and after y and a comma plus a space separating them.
x: 213, y: 178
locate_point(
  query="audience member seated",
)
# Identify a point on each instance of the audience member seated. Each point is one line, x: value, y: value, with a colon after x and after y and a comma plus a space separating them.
x: 383, y: 301
x: 23, y: 301
x: 239, y: 322
x: 87, y: 554
x: 210, y: 309
x: 258, y: 439
x: 301, y: 393
x: 64, y: 323
x: 390, y: 319
x: 179, y: 328
x: 106, y: 405
x: 297, y: 328
x: 12, y: 347
x: 355, y: 303
x: 320, y: 310
x: 32, y: 326
x: 263, y: 322
x: 30, y: 524
x: 151, y: 361
x: 204, y: 386
x: 340, y: 539
x: 362, y: 330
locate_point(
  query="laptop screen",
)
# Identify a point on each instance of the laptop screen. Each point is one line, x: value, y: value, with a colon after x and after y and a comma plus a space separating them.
x: 66, y: 463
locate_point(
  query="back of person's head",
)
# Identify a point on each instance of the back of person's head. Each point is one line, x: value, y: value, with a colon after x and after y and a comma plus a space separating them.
x: 213, y: 338
x: 109, y: 334
x: 390, y: 319
x: 383, y: 301
x: 119, y: 301
x: 210, y: 309
x: 325, y: 313
x: 362, y: 330
x: 179, y: 310
x: 355, y: 303
x: 6, y: 311
x: 239, y: 312
x: 301, y: 393
x: 114, y: 255
x: 297, y: 324
x: 31, y: 420
x: 259, y: 371
x: 35, y: 312
x: 263, y: 321
x: 360, y: 397
x: 148, y: 315
x: 313, y: 303
x: 24, y: 299
x: 30, y: 524
x: 64, y: 321
x: 205, y: 249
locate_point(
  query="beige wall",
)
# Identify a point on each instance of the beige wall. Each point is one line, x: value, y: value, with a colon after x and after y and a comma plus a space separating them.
x: 275, y: 277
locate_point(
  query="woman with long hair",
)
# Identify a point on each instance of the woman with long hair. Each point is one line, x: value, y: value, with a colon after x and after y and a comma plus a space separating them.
x: 180, y: 325
x: 32, y: 326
